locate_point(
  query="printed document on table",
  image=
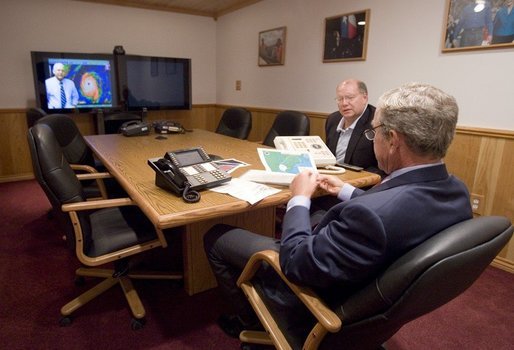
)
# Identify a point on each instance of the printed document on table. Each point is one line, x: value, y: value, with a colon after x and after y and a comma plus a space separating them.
x: 246, y: 190
x: 283, y: 161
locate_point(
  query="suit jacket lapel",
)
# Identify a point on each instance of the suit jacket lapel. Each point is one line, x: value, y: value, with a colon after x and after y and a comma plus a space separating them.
x: 334, y: 136
x: 357, y: 133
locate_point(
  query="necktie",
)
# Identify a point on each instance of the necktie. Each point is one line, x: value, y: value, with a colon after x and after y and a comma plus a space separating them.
x: 63, y: 96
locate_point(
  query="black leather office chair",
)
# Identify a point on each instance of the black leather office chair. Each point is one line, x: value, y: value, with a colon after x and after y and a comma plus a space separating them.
x: 81, y: 158
x: 76, y: 152
x: 235, y: 122
x: 33, y: 115
x: 422, y: 280
x: 105, y: 231
x: 288, y: 123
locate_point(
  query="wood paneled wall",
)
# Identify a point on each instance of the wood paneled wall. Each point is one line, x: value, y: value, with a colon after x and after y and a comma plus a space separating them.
x: 482, y: 158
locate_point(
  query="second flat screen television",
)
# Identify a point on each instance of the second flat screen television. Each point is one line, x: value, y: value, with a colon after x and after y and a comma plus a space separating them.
x: 154, y: 83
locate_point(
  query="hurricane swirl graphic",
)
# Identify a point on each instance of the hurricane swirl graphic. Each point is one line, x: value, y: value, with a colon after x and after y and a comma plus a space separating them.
x: 90, y: 87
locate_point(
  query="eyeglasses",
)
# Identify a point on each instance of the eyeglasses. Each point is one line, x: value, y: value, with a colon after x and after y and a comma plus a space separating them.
x: 370, y: 133
x: 340, y: 99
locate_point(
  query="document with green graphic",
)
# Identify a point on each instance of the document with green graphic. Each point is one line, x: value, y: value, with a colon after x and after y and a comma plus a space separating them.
x: 283, y: 161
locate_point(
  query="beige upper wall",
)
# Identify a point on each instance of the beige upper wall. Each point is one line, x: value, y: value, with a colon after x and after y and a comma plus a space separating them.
x: 404, y: 45
x: 75, y: 26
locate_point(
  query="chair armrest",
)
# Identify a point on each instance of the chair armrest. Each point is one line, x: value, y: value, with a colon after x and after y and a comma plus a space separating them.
x: 97, y: 204
x: 325, y: 316
x: 72, y: 208
x: 93, y: 176
x: 83, y: 167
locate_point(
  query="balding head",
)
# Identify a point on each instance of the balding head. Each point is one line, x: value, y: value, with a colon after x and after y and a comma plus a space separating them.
x: 352, y: 99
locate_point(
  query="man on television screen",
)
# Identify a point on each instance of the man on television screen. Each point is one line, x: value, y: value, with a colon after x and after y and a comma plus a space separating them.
x: 61, y: 92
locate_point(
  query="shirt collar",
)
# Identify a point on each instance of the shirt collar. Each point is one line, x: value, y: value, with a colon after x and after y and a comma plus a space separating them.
x: 351, y: 127
x: 409, y: 168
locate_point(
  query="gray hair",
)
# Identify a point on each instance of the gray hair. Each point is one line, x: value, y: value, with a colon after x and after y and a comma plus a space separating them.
x: 57, y: 66
x: 424, y: 114
x: 362, y: 87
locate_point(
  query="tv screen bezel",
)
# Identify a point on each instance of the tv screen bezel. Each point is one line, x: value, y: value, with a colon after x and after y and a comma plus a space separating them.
x: 40, y: 69
x: 123, y: 84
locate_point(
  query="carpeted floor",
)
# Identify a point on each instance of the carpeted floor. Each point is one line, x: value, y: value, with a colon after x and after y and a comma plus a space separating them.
x: 37, y: 274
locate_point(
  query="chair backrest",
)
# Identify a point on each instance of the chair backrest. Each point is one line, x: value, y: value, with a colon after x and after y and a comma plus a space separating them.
x: 51, y: 169
x: 54, y: 174
x: 422, y: 280
x: 70, y: 139
x: 288, y: 123
x: 235, y: 122
x: 33, y: 115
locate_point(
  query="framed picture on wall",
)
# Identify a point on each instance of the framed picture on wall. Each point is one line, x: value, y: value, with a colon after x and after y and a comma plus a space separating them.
x: 478, y: 24
x: 346, y: 37
x: 272, y: 46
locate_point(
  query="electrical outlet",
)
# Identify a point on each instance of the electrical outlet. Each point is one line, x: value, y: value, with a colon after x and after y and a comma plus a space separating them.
x: 238, y: 85
x: 477, y: 203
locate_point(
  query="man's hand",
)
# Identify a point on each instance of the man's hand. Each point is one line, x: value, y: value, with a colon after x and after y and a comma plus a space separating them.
x: 304, y: 184
x: 330, y: 184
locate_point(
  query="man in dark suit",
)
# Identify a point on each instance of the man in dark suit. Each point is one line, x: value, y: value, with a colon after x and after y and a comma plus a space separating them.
x: 344, y: 129
x: 367, y: 230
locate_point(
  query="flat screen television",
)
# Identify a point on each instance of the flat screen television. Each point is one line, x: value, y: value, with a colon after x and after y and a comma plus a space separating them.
x: 88, y: 81
x: 154, y: 83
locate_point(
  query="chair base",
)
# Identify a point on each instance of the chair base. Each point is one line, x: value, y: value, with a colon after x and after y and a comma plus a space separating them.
x: 255, y: 337
x: 109, y: 281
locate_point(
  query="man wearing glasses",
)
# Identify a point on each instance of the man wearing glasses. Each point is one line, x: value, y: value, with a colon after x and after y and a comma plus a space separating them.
x: 344, y: 132
x: 367, y: 230
x: 344, y: 128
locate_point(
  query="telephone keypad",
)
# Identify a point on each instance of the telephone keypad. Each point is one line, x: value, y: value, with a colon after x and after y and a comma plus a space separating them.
x: 203, y: 173
x: 192, y: 166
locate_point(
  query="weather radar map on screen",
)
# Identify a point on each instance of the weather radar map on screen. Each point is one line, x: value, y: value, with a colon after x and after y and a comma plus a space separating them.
x: 92, y: 79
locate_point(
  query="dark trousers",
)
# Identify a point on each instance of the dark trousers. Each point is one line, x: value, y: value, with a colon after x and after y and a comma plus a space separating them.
x: 503, y: 39
x: 228, y: 249
x: 471, y: 37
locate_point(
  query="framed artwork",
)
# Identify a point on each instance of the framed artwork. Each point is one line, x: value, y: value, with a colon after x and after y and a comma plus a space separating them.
x: 478, y: 24
x: 346, y: 37
x: 272, y: 47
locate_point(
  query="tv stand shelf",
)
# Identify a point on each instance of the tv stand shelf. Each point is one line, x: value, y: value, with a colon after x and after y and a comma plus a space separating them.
x: 109, y: 122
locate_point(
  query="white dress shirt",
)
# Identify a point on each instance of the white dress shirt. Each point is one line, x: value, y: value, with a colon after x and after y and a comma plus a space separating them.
x: 53, y: 93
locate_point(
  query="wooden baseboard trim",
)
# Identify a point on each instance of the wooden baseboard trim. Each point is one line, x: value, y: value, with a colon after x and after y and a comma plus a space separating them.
x: 503, y: 264
x: 22, y: 177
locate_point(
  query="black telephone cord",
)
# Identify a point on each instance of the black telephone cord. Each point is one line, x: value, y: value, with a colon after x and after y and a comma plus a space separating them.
x: 190, y: 196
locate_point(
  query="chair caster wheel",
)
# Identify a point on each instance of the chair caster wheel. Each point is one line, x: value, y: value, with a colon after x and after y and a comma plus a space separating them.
x: 65, y: 321
x: 137, y: 323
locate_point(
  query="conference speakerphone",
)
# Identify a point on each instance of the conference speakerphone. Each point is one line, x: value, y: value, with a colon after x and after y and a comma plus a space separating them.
x: 314, y: 145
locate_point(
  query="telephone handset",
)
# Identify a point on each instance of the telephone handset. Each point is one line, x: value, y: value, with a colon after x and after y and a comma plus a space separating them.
x: 186, y: 171
x: 168, y: 127
x: 178, y: 179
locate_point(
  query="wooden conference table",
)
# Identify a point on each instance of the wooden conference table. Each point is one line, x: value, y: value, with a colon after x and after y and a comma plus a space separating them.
x: 126, y: 159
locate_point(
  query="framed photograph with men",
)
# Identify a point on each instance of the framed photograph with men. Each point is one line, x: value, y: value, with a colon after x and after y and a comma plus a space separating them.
x: 478, y: 25
x: 346, y: 37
